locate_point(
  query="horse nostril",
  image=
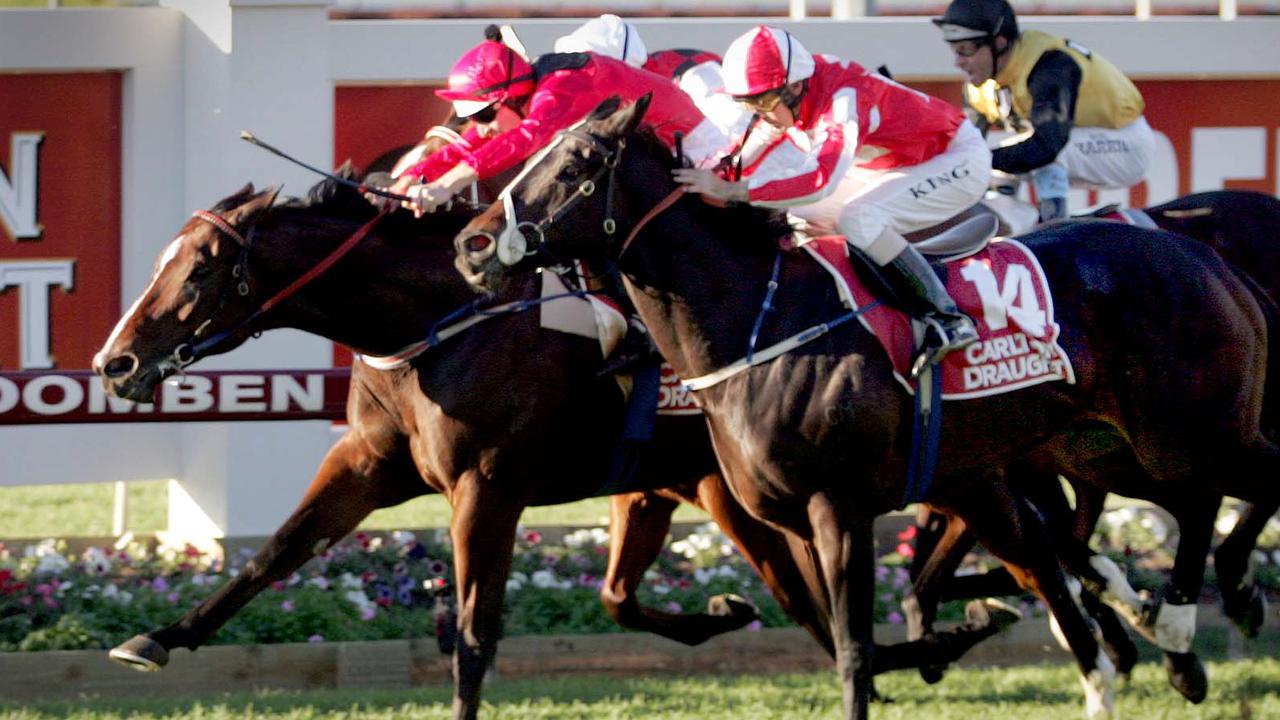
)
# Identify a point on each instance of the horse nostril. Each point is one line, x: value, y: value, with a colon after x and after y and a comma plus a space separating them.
x: 478, y: 243
x: 120, y: 366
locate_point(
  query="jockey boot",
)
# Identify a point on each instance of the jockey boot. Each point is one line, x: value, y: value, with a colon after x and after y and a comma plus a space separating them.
x: 1051, y: 183
x: 634, y: 348
x: 1053, y: 209
x: 912, y: 280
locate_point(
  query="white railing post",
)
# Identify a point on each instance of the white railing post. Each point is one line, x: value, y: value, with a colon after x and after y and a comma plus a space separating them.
x: 849, y: 9
x: 120, y: 510
x: 1142, y: 9
x: 798, y: 9
x: 1228, y: 9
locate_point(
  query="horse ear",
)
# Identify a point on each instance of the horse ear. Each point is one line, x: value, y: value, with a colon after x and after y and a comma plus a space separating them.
x: 248, y: 211
x: 607, y: 107
x: 628, y: 119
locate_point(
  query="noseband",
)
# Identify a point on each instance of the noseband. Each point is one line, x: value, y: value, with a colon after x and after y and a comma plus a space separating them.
x: 512, y: 244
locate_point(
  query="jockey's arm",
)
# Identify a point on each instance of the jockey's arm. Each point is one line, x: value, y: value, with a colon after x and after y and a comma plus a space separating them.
x: 1054, y: 84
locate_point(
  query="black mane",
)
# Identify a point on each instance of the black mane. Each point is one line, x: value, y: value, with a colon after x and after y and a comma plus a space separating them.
x: 332, y: 198
x: 748, y: 225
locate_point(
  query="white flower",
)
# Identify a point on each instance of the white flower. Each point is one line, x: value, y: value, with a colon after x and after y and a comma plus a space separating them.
x: 359, y: 599
x: 347, y: 580
x: 727, y: 571
x: 400, y: 538
x: 547, y: 579
x: 96, y: 562
x: 661, y: 589
x: 320, y: 582
x: 704, y: 575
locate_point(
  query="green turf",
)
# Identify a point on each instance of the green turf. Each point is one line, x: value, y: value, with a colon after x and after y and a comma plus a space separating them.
x: 86, y: 511
x: 1243, y: 689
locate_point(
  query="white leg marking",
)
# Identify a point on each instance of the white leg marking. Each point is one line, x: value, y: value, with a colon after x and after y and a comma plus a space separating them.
x: 1099, y: 689
x: 1119, y: 594
x: 1176, y: 627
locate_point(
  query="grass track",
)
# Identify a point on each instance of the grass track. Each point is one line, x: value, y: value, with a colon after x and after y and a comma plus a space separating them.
x: 1247, y: 690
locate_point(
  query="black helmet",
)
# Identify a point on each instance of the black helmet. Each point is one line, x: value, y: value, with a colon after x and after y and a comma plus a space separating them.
x: 978, y: 19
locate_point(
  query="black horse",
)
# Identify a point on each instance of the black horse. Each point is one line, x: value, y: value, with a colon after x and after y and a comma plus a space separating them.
x: 1170, y: 348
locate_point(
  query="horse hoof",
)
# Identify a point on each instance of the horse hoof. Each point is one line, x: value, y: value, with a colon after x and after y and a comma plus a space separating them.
x: 932, y: 674
x: 141, y: 653
x: 990, y: 613
x: 1247, y: 608
x: 735, y: 606
x: 1187, y: 675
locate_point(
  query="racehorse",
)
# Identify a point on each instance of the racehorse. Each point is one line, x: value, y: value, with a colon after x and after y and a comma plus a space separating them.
x: 492, y: 417
x: 1239, y: 225
x: 1168, y: 340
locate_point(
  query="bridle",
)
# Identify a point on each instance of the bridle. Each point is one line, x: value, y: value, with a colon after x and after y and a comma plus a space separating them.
x: 188, y: 352
x: 512, y: 243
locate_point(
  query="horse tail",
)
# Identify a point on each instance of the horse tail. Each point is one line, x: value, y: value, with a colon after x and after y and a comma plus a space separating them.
x: 1271, y: 312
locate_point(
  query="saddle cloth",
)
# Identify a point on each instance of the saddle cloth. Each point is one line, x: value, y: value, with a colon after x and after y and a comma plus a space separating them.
x: 599, y: 317
x: 1001, y: 287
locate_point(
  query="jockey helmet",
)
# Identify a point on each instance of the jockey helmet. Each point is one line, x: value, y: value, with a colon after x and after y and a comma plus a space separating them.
x: 673, y: 63
x: 765, y: 59
x: 486, y: 74
x: 607, y: 35
x: 978, y: 20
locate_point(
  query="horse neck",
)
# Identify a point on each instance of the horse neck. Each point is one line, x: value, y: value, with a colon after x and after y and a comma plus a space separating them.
x: 384, y: 294
x: 698, y: 292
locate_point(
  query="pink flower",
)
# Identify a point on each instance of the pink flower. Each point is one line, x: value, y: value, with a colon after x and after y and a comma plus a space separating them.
x: 287, y: 606
x: 905, y: 550
x: 368, y: 612
x: 533, y: 537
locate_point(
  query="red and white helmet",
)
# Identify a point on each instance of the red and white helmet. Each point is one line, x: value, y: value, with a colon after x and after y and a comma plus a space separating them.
x: 487, y: 73
x: 764, y: 59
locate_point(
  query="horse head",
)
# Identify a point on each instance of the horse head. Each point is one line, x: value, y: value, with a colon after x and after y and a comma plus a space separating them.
x: 198, y: 288
x: 573, y: 186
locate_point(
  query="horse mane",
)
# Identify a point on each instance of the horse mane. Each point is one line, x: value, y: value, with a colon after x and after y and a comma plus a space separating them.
x: 748, y: 225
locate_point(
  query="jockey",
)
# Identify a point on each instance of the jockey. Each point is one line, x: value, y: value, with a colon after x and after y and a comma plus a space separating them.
x: 696, y: 72
x: 1083, y: 115
x: 519, y: 107
x: 607, y: 35
x: 851, y: 151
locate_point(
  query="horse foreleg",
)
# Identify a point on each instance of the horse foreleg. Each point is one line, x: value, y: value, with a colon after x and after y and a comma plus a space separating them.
x: 1242, y: 600
x: 845, y: 549
x: 343, y: 492
x: 1011, y: 529
x: 483, y: 529
x: 945, y: 546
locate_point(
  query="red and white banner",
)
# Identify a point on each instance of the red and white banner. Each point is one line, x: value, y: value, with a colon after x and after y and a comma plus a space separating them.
x: 28, y: 398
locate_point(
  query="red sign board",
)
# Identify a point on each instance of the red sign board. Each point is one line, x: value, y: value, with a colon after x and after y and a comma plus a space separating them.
x: 59, y: 217
x: 77, y: 396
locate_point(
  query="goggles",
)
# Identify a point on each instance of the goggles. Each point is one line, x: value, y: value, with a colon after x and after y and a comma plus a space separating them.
x: 763, y: 102
x: 966, y: 48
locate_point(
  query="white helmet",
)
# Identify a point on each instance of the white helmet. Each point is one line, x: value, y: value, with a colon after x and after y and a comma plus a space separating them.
x: 607, y: 35
x: 763, y: 59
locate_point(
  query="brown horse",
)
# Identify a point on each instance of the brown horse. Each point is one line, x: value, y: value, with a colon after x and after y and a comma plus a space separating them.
x: 1170, y: 345
x: 490, y: 418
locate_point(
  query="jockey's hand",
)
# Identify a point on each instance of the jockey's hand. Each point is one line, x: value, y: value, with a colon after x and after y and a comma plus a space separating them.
x: 400, y: 187
x: 426, y: 198
x: 708, y: 183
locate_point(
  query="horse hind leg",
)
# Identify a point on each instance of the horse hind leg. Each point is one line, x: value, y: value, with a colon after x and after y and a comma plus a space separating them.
x: 639, y: 523
x: 340, y: 496
x: 1242, y: 600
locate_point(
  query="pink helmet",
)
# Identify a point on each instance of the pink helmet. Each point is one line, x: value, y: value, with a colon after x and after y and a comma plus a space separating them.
x: 764, y: 59
x: 487, y: 73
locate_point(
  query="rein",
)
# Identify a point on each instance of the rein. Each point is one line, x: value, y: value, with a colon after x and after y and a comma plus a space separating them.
x: 187, y: 353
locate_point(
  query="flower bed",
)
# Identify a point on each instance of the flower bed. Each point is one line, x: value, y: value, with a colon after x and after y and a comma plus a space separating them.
x: 395, y: 586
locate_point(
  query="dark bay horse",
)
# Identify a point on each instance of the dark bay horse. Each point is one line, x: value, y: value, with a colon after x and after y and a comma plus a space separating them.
x: 495, y: 418
x: 1170, y: 346
x: 1241, y: 226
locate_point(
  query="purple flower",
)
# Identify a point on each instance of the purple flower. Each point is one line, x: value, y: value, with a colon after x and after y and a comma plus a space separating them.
x: 369, y: 612
x: 172, y: 597
x: 437, y: 568
x: 287, y: 606
x: 895, y: 618
x: 674, y: 607
x: 316, y: 639
x: 755, y: 625
x: 160, y: 584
